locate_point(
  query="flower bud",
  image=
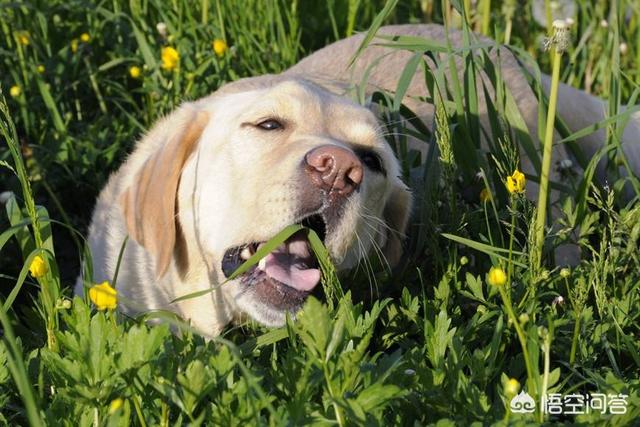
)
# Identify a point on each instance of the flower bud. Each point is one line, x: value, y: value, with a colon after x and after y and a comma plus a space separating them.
x: 511, y: 387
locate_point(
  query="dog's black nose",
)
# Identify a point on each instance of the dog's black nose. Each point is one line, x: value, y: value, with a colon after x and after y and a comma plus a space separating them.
x: 334, y: 169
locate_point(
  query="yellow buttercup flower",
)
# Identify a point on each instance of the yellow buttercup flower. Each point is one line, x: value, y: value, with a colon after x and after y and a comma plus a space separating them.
x: 23, y: 38
x: 485, y: 195
x: 511, y: 387
x: 103, y: 296
x: 516, y: 182
x: 115, y: 405
x: 135, y: 72
x: 496, y: 277
x: 40, y: 68
x: 85, y: 37
x: 38, y: 267
x: 15, y: 91
x: 74, y: 45
x: 219, y: 47
x: 170, y: 58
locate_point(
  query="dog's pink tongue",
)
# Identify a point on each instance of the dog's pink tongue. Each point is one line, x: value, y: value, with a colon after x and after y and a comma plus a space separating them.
x: 287, y: 264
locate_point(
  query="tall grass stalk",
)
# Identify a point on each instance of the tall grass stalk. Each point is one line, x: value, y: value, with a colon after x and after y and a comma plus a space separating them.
x: 486, y: 16
x: 574, y: 339
x: 509, y: 9
x: 18, y: 370
x: 558, y: 42
x: 48, y: 287
x: 522, y: 337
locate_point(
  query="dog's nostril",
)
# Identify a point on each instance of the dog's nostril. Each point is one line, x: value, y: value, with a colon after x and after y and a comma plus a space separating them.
x: 335, y: 169
x: 355, y: 174
x: 320, y: 161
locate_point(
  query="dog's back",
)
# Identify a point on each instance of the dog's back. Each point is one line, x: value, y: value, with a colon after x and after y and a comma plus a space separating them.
x: 385, y: 66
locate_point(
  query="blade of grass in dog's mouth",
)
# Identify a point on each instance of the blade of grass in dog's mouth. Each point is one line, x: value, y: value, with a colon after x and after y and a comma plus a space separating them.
x: 269, y: 246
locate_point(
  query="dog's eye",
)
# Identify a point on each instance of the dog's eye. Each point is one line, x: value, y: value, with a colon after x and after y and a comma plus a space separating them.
x: 270, y: 124
x: 371, y: 160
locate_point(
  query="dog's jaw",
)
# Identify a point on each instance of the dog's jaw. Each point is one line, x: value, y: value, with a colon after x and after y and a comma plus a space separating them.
x: 247, y: 302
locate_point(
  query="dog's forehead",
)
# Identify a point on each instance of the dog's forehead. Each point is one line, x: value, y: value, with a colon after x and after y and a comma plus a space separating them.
x: 337, y: 114
x: 308, y: 105
x: 305, y: 92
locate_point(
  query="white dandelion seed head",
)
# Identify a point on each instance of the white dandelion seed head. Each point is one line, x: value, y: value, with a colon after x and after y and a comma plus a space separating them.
x: 560, y: 38
x: 560, y: 24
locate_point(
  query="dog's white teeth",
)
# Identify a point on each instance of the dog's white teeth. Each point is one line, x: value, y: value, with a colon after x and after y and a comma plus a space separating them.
x: 245, y: 254
x: 262, y: 264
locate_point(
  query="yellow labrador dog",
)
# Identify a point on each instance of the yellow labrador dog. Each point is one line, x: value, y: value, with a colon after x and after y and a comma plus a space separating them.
x: 221, y: 175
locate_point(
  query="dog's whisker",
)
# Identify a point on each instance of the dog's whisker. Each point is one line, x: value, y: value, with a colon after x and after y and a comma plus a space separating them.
x: 386, y: 226
x: 375, y: 247
x: 374, y: 244
x: 363, y: 257
x: 379, y: 253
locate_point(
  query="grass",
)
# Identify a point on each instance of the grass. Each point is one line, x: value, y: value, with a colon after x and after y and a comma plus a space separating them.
x: 436, y: 341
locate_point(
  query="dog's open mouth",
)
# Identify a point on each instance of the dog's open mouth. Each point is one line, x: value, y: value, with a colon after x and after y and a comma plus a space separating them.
x: 286, y: 275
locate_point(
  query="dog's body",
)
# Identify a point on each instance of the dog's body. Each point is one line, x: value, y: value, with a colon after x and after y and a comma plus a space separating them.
x: 220, y: 175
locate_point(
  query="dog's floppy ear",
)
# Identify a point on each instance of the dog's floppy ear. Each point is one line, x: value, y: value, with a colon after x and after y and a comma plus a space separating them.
x: 396, y: 217
x: 149, y: 204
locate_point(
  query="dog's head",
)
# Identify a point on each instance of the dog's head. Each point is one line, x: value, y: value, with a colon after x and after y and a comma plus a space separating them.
x: 258, y: 155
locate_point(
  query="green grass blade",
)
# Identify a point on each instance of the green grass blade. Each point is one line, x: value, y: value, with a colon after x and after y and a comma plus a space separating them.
x: 373, y: 29
x: 487, y: 249
x: 263, y: 251
x: 19, y: 372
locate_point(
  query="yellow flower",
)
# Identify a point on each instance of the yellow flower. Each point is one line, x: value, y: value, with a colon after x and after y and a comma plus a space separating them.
x: 170, y: 58
x: 15, y: 91
x: 219, y: 47
x: 565, y: 272
x: 115, y: 405
x: 40, y: 68
x: 85, y: 37
x: 23, y: 38
x: 103, y: 296
x: 516, y: 182
x: 511, y: 387
x: 74, y: 45
x: 135, y: 72
x: 38, y: 267
x: 496, y: 277
x: 485, y: 195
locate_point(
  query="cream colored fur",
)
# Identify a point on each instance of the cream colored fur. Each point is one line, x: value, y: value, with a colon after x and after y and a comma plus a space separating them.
x: 239, y: 184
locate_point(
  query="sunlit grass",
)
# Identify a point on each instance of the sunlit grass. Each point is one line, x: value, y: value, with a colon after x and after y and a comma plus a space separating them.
x: 476, y: 307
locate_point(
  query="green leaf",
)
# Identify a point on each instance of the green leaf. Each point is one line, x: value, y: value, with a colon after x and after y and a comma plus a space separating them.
x: 378, y: 396
x: 313, y: 327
